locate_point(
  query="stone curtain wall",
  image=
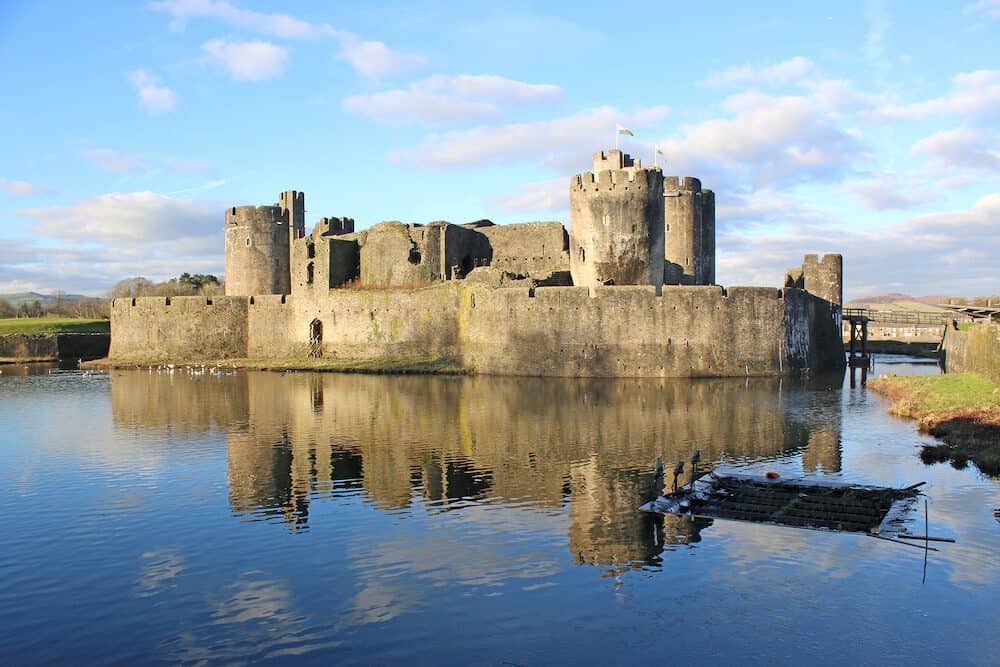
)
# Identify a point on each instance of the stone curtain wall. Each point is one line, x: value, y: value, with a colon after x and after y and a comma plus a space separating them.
x: 179, y: 328
x: 976, y: 350
x: 553, y: 331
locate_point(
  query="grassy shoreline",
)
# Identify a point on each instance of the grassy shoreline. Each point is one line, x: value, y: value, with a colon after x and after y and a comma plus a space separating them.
x: 52, y: 325
x: 963, y: 409
x: 414, y: 366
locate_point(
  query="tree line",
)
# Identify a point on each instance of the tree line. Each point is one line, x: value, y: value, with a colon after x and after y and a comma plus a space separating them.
x: 94, y: 308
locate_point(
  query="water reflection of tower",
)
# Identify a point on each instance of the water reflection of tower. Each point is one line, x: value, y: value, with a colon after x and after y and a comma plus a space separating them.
x: 822, y: 421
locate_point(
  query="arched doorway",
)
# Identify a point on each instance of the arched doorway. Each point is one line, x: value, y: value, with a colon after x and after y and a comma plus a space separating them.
x: 315, y: 339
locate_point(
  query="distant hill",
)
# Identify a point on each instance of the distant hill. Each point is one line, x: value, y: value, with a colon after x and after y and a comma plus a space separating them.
x: 46, y: 300
x: 897, y: 298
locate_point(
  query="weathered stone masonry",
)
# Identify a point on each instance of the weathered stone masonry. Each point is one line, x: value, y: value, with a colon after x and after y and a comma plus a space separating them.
x: 529, y: 299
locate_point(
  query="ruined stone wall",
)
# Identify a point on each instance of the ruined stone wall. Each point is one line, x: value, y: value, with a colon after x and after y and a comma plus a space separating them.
x: 344, y: 261
x: 616, y: 227
x: 393, y: 255
x: 530, y: 248
x: 183, y: 327
x: 257, y: 251
x: 464, y: 250
x: 975, y: 350
x: 824, y: 276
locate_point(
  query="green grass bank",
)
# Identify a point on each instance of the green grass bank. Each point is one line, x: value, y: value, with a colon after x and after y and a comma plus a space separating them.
x: 50, y: 325
x: 963, y: 409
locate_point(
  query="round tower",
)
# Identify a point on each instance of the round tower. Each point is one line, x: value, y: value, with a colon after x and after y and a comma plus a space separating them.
x: 616, y: 223
x: 257, y: 251
x: 683, y: 207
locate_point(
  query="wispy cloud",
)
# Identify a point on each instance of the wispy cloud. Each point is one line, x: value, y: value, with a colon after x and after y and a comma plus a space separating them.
x: 550, y: 196
x: 561, y: 143
x: 247, y: 61
x: 793, y: 70
x: 989, y: 8
x: 960, y: 245
x: 974, y: 95
x: 442, y: 100
x: 370, y: 58
x: 887, y: 191
x: 768, y: 142
x: 276, y: 25
x: 154, y: 97
x: 94, y: 242
x: 960, y: 148
x: 111, y: 160
x: 374, y: 59
x: 20, y: 188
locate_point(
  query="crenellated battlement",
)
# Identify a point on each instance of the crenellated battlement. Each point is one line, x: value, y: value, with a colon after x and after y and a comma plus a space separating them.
x: 617, y: 179
x: 672, y: 184
x: 254, y: 216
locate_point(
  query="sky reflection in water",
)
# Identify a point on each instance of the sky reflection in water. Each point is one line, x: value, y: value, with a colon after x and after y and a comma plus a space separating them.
x: 155, y: 517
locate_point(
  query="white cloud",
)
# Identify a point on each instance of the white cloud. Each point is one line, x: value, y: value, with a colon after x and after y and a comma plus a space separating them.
x: 769, y: 141
x: 153, y: 97
x: 562, y: 143
x: 20, y: 188
x: 373, y: 58
x: 960, y: 245
x: 248, y: 61
x: 442, y: 100
x: 991, y: 8
x: 370, y: 58
x: 91, y: 244
x: 974, y: 95
x: 550, y: 196
x: 959, y: 148
x: 793, y: 70
x: 110, y: 160
x: 276, y: 25
x: 882, y: 192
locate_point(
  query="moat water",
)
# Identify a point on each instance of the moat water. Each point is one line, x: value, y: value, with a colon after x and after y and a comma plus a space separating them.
x: 156, y: 517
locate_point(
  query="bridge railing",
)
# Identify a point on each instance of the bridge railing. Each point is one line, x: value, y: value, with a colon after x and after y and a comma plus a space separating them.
x: 900, y: 317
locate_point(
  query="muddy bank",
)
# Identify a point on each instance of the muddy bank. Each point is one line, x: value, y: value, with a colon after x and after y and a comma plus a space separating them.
x: 424, y: 366
x: 24, y: 348
x: 962, y: 409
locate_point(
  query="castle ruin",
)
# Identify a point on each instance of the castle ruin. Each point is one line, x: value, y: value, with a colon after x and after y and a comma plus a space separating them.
x: 628, y: 290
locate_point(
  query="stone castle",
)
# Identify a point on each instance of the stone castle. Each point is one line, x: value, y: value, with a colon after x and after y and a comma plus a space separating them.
x: 629, y: 290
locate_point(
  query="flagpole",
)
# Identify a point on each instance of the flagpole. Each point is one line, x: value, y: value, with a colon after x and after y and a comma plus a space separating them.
x: 655, y: 163
x: 616, y: 138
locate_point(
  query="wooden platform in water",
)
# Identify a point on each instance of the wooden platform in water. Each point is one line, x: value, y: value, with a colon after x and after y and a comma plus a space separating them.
x: 798, y: 502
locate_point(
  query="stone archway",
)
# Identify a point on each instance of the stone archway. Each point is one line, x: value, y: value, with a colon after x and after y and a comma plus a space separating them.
x: 315, y: 339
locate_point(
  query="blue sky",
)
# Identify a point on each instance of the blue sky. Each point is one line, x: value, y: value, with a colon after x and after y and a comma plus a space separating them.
x: 870, y: 128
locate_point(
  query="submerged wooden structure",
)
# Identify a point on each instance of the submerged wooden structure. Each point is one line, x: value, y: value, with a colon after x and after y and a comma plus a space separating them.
x: 798, y: 502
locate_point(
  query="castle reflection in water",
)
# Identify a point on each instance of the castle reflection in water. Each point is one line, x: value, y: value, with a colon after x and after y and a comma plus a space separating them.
x: 583, y: 447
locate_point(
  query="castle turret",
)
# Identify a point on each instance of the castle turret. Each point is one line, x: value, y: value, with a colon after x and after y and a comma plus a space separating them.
x: 689, y: 221
x: 257, y: 251
x: 616, y: 223
x: 293, y: 209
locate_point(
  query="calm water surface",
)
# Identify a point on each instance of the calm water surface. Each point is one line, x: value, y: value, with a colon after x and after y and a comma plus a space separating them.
x: 258, y: 517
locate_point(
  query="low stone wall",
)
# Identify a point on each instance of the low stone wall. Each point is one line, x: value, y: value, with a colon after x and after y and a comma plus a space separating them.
x: 54, y: 346
x: 975, y: 350
x: 29, y: 346
x: 183, y: 328
x: 550, y: 331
